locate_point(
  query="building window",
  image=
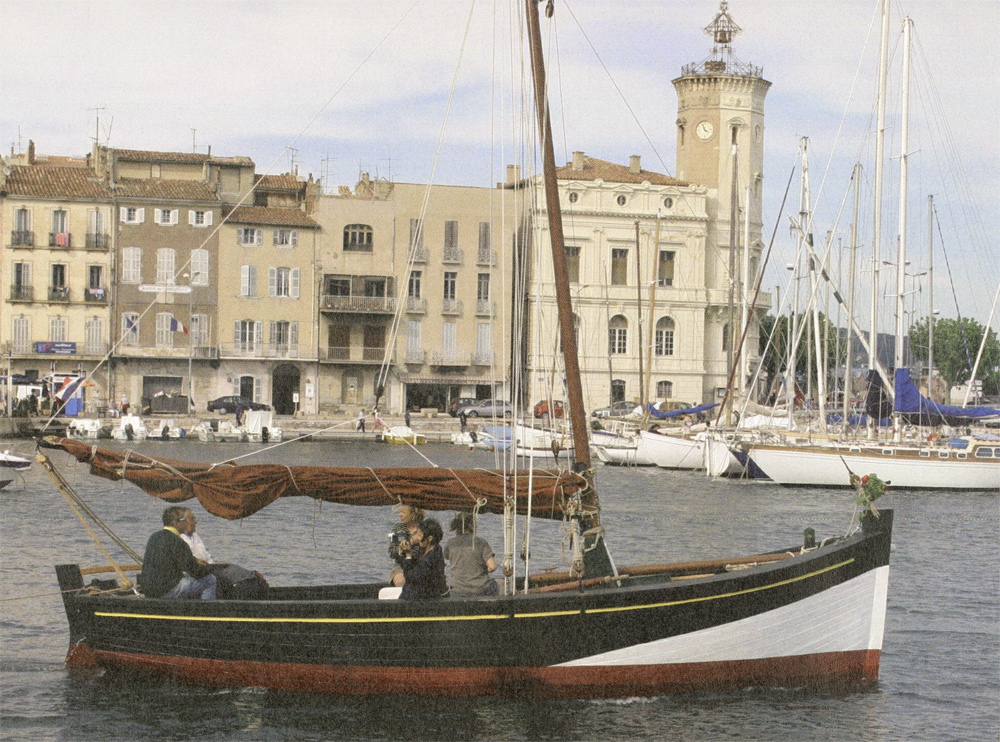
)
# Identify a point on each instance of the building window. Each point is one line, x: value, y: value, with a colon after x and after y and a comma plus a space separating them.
x: 166, y: 261
x: 96, y: 233
x: 450, y: 283
x: 247, y: 334
x: 60, y: 221
x: 664, y: 338
x: 21, y: 281
x: 665, y: 268
x: 58, y: 276
x: 449, y: 333
x: 668, y: 203
x: 451, y: 235
x: 95, y: 277
x: 57, y: 329
x: 358, y: 237
x: 199, y: 267
x: 336, y: 286
x: 485, y: 236
x: 621, y: 200
x: 22, y: 220
x: 619, y: 266
x: 164, y: 330
x: 574, y: 197
x: 618, y: 335
x: 416, y: 233
x: 573, y: 263
x: 286, y: 237
x: 725, y: 337
x: 130, y: 329
x: 199, y: 218
x: 21, y: 333
x: 201, y: 329
x: 484, y: 342
x: 413, y: 333
x: 617, y: 390
x: 283, y: 282
x: 284, y: 335
x: 250, y: 236
x: 664, y: 389
x: 132, y: 215
x: 94, y: 335
x: 413, y: 289
x: 483, y: 287
x: 248, y: 280
x: 165, y: 217
x: 131, y: 264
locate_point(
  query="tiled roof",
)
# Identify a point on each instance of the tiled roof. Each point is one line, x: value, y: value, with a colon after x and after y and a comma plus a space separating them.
x: 55, y: 182
x: 184, y: 190
x: 283, y: 182
x: 273, y: 217
x: 190, y: 158
x: 610, y: 172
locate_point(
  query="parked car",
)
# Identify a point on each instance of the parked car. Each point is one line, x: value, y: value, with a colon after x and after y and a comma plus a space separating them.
x: 460, y: 402
x: 488, y: 408
x: 230, y: 402
x: 542, y: 409
x: 618, y: 409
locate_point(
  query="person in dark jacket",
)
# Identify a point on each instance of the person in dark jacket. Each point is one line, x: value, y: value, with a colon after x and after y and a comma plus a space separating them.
x: 424, y: 567
x: 169, y: 569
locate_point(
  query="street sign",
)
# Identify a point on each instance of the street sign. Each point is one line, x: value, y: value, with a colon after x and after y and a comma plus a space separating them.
x: 164, y: 288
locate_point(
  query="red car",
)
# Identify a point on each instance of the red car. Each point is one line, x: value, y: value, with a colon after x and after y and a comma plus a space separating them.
x: 542, y: 409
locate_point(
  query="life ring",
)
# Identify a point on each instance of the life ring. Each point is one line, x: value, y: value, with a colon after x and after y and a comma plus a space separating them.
x: 129, y: 431
x: 265, y: 435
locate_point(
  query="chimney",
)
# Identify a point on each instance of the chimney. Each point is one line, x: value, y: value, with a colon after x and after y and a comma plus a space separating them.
x: 31, y: 151
x: 513, y: 174
x: 633, y: 164
x: 578, y: 160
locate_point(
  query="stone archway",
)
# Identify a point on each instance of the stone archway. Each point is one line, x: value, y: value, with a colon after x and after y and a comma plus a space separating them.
x: 284, y: 384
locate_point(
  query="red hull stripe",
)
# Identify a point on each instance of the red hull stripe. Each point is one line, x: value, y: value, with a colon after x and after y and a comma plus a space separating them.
x: 853, y: 667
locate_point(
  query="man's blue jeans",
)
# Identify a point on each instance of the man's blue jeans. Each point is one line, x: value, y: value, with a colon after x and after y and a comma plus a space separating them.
x: 189, y: 589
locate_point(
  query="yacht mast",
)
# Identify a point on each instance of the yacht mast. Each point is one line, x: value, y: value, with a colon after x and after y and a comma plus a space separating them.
x: 904, y: 143
x: 856, y: 177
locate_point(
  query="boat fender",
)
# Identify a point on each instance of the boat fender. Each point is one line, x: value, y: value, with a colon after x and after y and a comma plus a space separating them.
x: 129, y: 431
x: 265, y: 435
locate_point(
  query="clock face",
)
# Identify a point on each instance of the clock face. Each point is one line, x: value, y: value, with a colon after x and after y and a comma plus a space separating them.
x: 705, y: 130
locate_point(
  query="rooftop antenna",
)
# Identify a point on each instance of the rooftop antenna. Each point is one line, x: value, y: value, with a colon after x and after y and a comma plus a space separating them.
x: 325, y: 170
x: 291, y: 158
x: 97, y: 122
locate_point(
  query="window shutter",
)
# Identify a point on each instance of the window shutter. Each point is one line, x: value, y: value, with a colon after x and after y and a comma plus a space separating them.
x: 295, y: 283
x: 258, y: 389
x: 245, y: 280
x: 140, y: 215
x: 272, y: 335
x: 175, y: 215
x: 191, y: 217
x: 253, y: 280
x: 208, y: 218
x: 122, y: 214
x: 293, y: 333
x: 274, y: 237
x: 236, y: 335
x: 272, y: 281
x: 258, y: 237
x: 158, y: 216
x: 236, y: 385
x: 295, y: 238
x: 258, y: 332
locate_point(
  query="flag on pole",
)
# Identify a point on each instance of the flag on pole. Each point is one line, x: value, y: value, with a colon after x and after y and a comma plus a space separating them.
x: 69, y: 387
x: 176, y: 326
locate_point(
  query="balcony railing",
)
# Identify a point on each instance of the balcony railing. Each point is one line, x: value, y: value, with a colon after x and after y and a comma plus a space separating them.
x: 419, y: 254
x: 364, y: 304
x: 481, y: 359
x: 98, y: 241
x: 59, y: 293
x: 352, y: 354
x: 415, y: 355
x: 416, y: 305
x: 60, y: 239
x: 260, y: 350
x: 441, y: 358
x: 485, y: 308
x: 97, y: 296
x: 22, y: 238
x: 486, y: 256
x: 452, y: 255
x: 22, y: 293
x: 205, y: 351
x: 451, y: 306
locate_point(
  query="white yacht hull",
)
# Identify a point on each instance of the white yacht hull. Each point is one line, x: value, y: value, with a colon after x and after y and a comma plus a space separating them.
x: 671, y: 452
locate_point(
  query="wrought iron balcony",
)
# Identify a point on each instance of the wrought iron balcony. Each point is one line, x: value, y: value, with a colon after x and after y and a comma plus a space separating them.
x: 415, y: 355
x: 481, y: 359
x: 418, y: 255
x: 260, y: 350
x: 451, y: 306
x: 415, y: 305
x: 486, y: 256
x: 352, y: 354
x: 452, y: 255
x: 98, y: 241
x: 22, y: 293
x: 60, y: 239
x: 205, y: 351
x: 59, y: 293
x: 362, y: 304
x: 22, y: 238
x: 97, y: 296
x: 485, y: 308
x: 441, y: 358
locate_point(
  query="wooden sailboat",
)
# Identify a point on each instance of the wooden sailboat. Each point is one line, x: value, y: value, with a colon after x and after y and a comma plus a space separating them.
x: 812, y: 613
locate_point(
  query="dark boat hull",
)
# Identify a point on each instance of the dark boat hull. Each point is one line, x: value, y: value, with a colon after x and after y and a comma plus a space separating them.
x: 816, y: 618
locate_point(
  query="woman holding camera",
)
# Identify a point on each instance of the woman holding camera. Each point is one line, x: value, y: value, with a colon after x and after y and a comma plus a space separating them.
x: 410, y: 517
x: 423, y: 565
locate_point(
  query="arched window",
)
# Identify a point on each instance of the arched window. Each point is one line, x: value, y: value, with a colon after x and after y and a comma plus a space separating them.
x: 664, y: 389
x: 358, y: 237
x: 618, y: 335
x: 617, y: 390
x: 664, y: 338
x: 725, y: 337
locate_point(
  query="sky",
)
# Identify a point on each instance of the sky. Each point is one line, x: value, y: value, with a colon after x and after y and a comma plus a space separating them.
x: 337, y: 87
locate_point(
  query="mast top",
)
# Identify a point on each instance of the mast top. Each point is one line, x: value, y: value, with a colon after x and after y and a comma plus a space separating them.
x: 722, y: 60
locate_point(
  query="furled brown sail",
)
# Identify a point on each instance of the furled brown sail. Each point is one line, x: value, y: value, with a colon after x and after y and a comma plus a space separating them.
x: 235, y: 491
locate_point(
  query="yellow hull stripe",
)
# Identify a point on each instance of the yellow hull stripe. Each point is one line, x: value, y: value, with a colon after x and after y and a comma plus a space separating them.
x: 484, y: 617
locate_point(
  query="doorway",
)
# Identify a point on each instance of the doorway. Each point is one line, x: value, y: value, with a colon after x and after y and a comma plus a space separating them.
x: 284, y: 385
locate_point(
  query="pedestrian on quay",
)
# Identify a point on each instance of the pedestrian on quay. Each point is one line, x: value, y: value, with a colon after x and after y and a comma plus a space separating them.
x: 406, y: 418
x: 361, y: 420
x: 463, y: 419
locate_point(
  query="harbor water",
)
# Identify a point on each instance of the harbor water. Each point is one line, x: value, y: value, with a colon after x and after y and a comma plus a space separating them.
x: 940, y: 671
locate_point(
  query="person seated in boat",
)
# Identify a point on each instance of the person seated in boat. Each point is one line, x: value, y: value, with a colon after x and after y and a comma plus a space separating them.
x: 169, y: 569
x: 410, y: 517
x: 471, y: 559
x: 423, y: 564
x: 193, y: 540
x: 232, y: 581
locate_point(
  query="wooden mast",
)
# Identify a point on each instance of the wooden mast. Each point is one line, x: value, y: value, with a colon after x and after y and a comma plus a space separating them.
x: 581, y: 440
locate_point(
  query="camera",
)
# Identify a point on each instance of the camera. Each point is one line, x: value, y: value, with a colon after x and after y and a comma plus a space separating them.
x: 399, y: 544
